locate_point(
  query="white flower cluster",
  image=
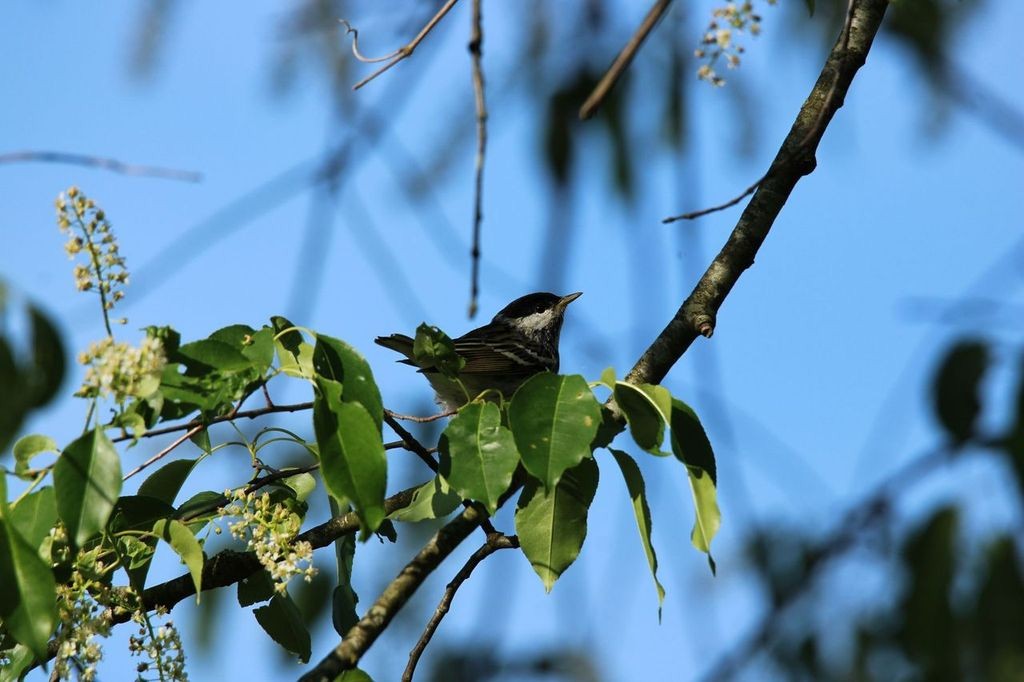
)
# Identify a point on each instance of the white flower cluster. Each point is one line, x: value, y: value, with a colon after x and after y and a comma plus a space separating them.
x: 719, y: 39
x: 83, y: 620
x: 269, y: 530
x: 89, y: 232
x: 162, y: 645
x: 122, y: 370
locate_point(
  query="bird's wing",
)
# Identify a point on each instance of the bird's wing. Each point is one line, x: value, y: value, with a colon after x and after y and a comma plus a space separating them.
x: 493, y: 349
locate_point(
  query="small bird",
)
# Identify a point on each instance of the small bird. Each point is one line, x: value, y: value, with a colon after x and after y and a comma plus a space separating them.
x: 521, y: 340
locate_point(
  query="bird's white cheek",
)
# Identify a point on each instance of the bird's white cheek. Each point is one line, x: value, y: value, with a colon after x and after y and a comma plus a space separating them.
x: 536, y: 321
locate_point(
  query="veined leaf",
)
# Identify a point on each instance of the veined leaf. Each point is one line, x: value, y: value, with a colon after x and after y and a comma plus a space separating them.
x: 554, y: 419
x: 433, y: 500
x: 691, y: 446
x: 433, y: 348
x: 647, y: 409
x: 336, y: 360
x: 352, y: 459
x: 186, y: 546
x: 552, y: 524
x: 282, y: 620
x: 642, y: 512
x: 87, y: 481
x: 478, y: 454
x: 294, y: 355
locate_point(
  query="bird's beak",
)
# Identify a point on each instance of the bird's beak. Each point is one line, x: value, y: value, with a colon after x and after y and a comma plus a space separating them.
x: 566, y: 300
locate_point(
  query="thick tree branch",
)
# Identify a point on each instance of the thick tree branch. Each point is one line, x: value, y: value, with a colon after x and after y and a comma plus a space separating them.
x: 346, y: 655
x: 495, y: 541
x: 794, y: 160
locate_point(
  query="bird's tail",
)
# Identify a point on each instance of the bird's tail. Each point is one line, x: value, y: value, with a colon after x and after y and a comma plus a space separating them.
x: 400, y: 343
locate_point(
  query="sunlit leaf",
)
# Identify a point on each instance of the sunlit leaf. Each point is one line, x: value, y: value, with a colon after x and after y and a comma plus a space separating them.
x: 432, y: 348
x: 28, y: 447
x: 34, y: 515
x: 554, y: 419
x: 87, y: 479
x: 352, y: 459
x: 478, y: 454
x: 647, y: 409
x: 691, y: 446
x: 552, y: 524
x: 186, y: 546
x: 336, y: 360
x: 642, y: 513
x: 432, y: 500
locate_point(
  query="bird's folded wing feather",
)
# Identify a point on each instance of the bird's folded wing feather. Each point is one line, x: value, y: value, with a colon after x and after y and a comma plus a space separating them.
x: 492, y: 349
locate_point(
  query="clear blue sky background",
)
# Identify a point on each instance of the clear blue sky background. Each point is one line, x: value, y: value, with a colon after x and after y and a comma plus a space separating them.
x: 813, y: 387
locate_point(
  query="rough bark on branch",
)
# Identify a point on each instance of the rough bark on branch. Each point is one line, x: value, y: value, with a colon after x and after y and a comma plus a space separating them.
x: 795, y: 159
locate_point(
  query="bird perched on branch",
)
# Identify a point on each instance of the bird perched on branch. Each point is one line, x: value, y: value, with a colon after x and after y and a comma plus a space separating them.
x: 521, y: 340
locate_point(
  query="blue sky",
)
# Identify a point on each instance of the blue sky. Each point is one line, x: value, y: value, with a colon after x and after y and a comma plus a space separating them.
x: 813, y: 386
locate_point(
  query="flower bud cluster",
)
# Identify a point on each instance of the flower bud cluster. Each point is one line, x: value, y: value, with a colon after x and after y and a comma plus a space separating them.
x: 161, y: 645
x: 269, y: 530
x: 82, y: 604
x: 719, y: 41
x: 89, y: 233
x: 122, y: 370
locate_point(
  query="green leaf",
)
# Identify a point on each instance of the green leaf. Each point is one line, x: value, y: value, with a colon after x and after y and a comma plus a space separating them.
x: 647, y: 408
x: 258, y: 587
x: 353, y: 675
x: 432, y: 348
x: 12, y: 399
x: 257, y: 346
x: 186, y: 546
x: 433, y: 500
x: 34, y: 515
x: 608, y: 378
x: 18, y: 661
x: 87, y: 479
x: 165, y: 483
x: 28, y: 598
x: 344, y: 598
x: 28, y: 595
x: 302, y: 484
x: 691, y: 446
x: 642, y: 513
x: 28, y: 447
x: 202, y: 504
x: 47, y: 370
x: 552, y: 524
x: 336, y: 360
x: 553, y: 418
x: 294, y: 355
x: 352, y: 459
x: 957, y: 389
x: 282, y: 620
x: 207, y: 355
x: 478, y: 454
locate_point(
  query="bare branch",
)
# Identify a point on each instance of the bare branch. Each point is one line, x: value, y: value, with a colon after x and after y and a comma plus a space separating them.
x: 99, y: 162
x: 625, y: 56
x: 166, y: 451
x: 795, y: 158
x: 720, y: 207
x: 494, y: 542
x: 411, y: 443
x: 476, y: 44
x: 420, y: 420
x: 362, y: 635
x: 402, y: 52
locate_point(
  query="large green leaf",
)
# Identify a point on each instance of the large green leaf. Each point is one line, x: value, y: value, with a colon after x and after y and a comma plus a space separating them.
x: 282, y: 620
x: 28, y: 594
x: 552, y: 524
x: 208, y: 355
x: 35, y: 515
x: 647, y: 408
x: 47, y: 370
x: 478, y: 454
x: 186, y: 546
x: 433, y: 500
x: 258, y: 587
x: 165, y: 483
x: 642, y: 513
x: 87, y: 479
x: 257, y: 346
x: 690, y: 445
x: 352, y: 459
x: 554, y: 419
x: 336, y: 360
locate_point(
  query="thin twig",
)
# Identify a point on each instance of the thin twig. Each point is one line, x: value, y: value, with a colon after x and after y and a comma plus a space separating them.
x: 402, y: 52
x: 166, y: 451
x: 622, y: 61
x: 419, y: 420
x: 411, y: 443
x: 99, y: 162
x: 795, y: 159
x: 494, y: 542
x: 476, y: 50
x: 813, y: 132
x: 244, y: 414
